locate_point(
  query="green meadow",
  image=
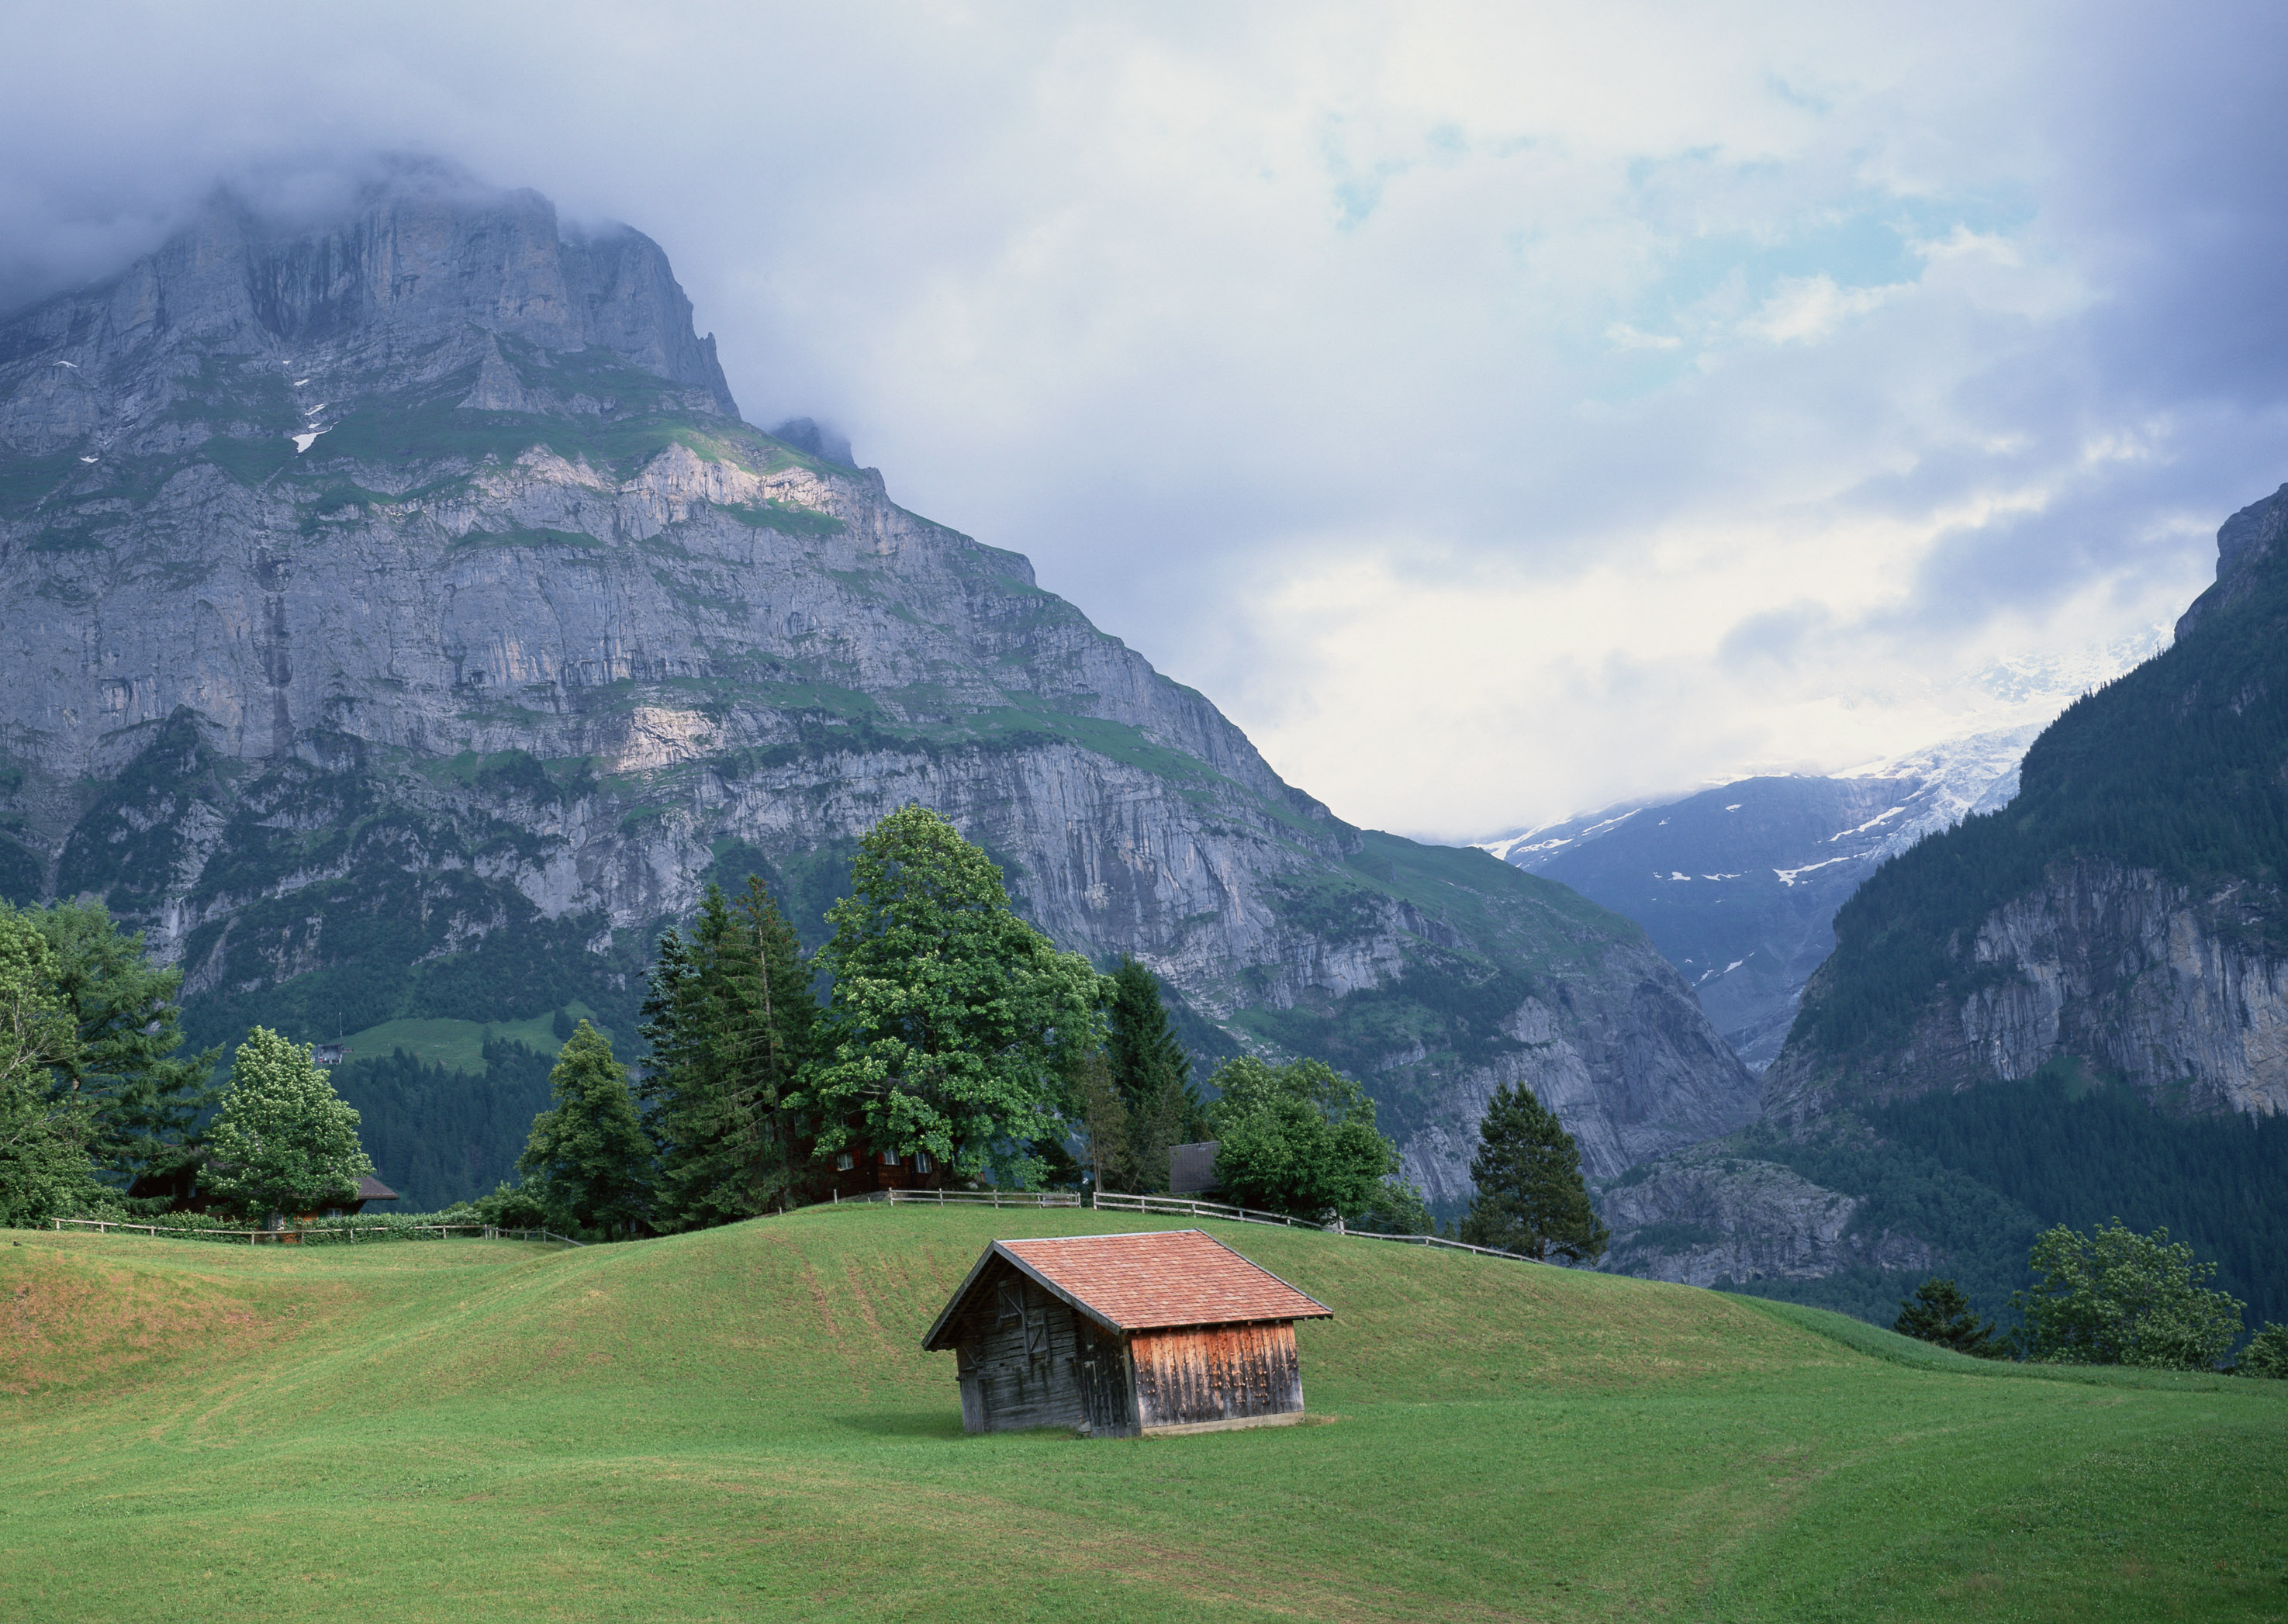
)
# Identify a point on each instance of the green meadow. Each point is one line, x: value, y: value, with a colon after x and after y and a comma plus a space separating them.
x: 737, y: 1424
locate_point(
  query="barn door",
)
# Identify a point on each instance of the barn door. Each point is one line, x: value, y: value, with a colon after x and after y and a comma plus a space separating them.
x: 1022, y: 1308
x: 1104, y: 1395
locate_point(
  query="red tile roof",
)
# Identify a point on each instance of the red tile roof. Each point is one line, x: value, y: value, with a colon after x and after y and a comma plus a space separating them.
x: 1146, y: 1281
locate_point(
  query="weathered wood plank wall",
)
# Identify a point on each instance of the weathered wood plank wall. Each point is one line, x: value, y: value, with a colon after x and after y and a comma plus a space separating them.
x: 1016, y: 1359
x: 1192, y: 1375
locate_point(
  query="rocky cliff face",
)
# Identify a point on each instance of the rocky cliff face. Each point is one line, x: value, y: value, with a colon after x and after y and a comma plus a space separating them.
x: 2121, y: 923
x: 2115, y: 967
x: 398, y: 620
x: 1715, y: 1213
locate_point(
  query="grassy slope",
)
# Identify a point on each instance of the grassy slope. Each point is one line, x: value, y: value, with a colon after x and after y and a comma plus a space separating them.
x: 737, y: 1424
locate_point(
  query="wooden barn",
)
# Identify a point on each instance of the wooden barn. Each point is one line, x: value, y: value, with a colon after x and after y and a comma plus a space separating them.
x: 1124, y: 1335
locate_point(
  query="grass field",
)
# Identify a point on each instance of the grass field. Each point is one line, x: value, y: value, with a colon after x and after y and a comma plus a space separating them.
x: 460, y: 1045
x: 737, y: 1424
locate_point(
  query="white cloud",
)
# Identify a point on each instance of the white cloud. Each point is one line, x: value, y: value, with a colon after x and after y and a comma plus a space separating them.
x: 1497, y: 409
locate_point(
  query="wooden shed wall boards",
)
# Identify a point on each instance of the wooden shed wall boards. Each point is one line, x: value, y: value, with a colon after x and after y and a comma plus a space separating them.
x: 1118, y: 1336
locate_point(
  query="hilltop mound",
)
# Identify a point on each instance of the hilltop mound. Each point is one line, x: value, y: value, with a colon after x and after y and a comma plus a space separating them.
x: 739, y: 1423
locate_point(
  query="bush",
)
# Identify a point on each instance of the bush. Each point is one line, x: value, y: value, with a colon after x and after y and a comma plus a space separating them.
x: 2267, y: 1354
x: 2117, y: 1297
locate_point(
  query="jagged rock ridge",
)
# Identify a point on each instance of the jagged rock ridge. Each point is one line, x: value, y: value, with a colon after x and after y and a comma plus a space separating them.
x: 401, y: 621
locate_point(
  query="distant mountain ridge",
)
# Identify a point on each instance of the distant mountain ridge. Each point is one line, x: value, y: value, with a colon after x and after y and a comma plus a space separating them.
x: 1738, y: 885
x: 400, y: 622
x: 2068, y: 1007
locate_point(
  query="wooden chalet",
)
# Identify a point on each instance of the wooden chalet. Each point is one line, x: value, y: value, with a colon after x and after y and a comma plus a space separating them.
x: 859, y: 1170
x: 1125, y: 1336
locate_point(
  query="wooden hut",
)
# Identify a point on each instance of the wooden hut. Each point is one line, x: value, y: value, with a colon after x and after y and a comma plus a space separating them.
x: 1124, y: 1335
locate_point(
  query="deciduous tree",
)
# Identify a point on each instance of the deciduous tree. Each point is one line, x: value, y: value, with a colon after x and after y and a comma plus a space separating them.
x: 1530, y: 1199
x: 1298, y: 1139
x: 2118, y: 1297
x: 953, y: 1022
x: 283, y: 1141
x: 44, y: 1163
x: 2267, y: 1354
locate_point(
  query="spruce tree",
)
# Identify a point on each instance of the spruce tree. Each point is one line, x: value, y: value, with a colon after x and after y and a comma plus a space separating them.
x: 588, y: 1162
x: 147, y: 1101
x: 1938, y: 1313
x: 1531, y: 1198
x: 1153, y: 1073
x: 283, y: 1142
x: 1104, y: 1124
x: 731, y: 1022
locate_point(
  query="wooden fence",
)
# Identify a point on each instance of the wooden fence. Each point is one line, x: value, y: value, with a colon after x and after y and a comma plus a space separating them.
x: 1168, y: 1206
x: 348, y: 1233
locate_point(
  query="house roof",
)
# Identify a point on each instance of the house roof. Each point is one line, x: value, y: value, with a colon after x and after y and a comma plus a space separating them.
x: 1142, y: 1282
x: 372, y: 1189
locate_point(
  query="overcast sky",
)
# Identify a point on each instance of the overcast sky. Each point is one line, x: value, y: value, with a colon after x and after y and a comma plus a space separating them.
x: 1499, y: 410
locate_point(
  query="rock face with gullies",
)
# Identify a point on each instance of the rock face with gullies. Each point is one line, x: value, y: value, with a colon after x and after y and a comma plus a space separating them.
x: 2120, y: 968
x: 2121, y: 921
x: 1710, y: 1213
x: 398, y: 620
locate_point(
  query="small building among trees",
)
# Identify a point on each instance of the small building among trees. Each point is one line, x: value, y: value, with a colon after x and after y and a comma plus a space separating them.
x: 1124, y: 1336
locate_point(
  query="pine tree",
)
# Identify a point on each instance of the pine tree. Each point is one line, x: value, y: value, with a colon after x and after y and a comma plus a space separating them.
x: 1154, y: 1074
x: 283, y: 1141
x: 1530, y: 1197
x: 1938, y: 1313
x: 588, y: 1162
x: 147, y: 1101
x: 731, y: 1022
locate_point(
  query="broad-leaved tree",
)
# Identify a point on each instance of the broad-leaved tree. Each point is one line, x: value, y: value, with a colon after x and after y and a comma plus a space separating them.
x: 283, y: 1142
x: 1298, y: 1140
x: 953, y: 1022
x: 2118, y: 1297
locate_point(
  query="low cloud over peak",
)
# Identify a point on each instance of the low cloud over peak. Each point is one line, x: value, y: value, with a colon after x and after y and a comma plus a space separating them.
x: 1500, y: 410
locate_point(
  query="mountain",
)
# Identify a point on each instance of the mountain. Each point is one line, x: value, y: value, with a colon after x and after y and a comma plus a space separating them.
x: 403, y: 626
x: 2076, y: 1003
x: 1738, y: 885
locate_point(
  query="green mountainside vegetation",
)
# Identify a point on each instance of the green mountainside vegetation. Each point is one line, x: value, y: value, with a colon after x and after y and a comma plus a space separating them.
x: 738, y: 1422
x: 2174, y: 767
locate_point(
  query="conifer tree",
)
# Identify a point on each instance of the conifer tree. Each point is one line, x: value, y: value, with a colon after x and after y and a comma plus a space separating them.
x: 283, y: 1142
x: 1530, y: 1199
x: 588, y: 1162
x: 1154, y: 1074
x: 147, y: 1101
x: 731, y: 1022
x: 1938, y: 1313
x: 1104, y: 1125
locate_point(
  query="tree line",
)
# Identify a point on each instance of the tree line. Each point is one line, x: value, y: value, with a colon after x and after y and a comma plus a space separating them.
x: 2111, y: 1297
x: 952, y: 1036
